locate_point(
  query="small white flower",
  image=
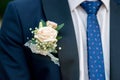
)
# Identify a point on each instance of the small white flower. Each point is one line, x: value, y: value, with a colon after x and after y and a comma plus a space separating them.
x: 59, y: 48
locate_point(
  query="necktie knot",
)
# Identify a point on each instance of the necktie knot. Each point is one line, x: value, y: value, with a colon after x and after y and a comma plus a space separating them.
x: 91, y: 7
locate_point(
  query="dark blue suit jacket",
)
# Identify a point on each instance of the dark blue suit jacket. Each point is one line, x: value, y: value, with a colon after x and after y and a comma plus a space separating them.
x: 17, y: 62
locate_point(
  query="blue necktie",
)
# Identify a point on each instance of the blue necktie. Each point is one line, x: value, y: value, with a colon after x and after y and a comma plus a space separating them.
x: 94, y: 45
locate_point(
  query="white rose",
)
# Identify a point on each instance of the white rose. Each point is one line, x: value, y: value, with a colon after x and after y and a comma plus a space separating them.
x: 46, y: 34
x: 51, y: 24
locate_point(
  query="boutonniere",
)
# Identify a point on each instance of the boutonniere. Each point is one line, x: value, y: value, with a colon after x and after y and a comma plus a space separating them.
x: 45, y: 39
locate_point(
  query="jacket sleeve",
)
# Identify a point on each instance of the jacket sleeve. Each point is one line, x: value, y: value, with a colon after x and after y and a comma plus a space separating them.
x: 13, y: 65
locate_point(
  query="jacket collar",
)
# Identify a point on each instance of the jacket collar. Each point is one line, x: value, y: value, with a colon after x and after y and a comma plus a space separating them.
x: 114, y: 40
x: 59, y: 12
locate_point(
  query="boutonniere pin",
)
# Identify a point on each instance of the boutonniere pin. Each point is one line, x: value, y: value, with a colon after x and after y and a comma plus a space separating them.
x: 45, y: 39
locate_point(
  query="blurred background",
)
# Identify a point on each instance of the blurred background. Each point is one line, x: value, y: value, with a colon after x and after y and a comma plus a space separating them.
x: 3, y: 4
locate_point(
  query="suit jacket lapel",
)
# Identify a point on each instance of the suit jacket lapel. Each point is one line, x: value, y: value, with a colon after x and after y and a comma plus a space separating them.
x: 58, y: 11
x: 115, y: 41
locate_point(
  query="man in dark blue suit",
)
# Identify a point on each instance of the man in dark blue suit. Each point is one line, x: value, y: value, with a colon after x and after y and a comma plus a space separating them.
x: 17, y: 62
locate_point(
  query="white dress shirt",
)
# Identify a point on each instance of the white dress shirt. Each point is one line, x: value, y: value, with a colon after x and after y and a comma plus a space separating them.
x: 79, y: 17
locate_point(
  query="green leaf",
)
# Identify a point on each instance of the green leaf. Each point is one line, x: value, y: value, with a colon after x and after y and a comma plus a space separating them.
x: 59, y: 37
x: 60, y: 27
x: 43, y: 23
x: 33, y: 41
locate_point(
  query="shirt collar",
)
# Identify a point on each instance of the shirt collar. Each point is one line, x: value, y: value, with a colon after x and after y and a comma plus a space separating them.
x: 75, y: 3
